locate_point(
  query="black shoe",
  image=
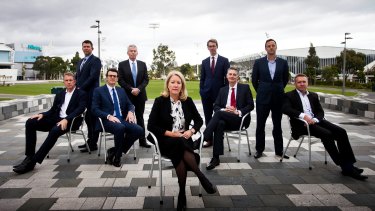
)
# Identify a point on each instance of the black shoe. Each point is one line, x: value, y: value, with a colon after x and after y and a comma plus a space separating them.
x: 110, y: 155
x: 143, y: 143
x: 207, y: 185
x: 92, y: 148
x: 26, y: 166
x: 358, y: 169
x: 27, y: 158
x: 354, y: 174
x: 197, y: 144
x: 213, y: 163
x: 258, y: 155
x: 207, y: 144
x: 280, y: 155
x: 181, y: 202
x: 116, y: 162
x: 82, y: 146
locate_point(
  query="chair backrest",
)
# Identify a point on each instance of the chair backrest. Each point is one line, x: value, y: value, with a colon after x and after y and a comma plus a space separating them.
x: 101, y: 125
x: 244, y: 125
x: 77, y: 122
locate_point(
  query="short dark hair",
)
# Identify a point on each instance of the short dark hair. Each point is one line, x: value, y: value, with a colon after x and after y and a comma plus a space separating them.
x: 300, y: 75
x: 111, y: 70
x: 214, y: 41
x: 69, y: 74
x: 234, y: 68
x: 269, y: 40
x: 87, y: 42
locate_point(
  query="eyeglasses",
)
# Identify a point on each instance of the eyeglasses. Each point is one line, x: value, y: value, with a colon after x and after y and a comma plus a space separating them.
x: 112, y: 76
x: 212, y: 46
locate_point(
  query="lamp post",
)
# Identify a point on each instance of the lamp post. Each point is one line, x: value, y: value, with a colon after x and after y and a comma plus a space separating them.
x: 344, y: 66
x: 99, y: 32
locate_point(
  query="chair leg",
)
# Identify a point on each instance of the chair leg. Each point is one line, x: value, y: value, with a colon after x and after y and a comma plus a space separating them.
x: 286, y: 148
x: 84, y: 138
x: 68, y: 136
x: 325, y: 156
x: 226, y: 135
x: 300, y: 143
x: 310, y: 152
x: 248, y: 142
x: 135, y: 152
x: 160, y: 180
x: 105, y: 149
x: 151, y: 170
x: 239, y: 146
x: 100, y: 143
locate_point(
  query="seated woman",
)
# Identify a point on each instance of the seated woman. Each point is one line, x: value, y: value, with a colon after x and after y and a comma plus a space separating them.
x: 169, y: 120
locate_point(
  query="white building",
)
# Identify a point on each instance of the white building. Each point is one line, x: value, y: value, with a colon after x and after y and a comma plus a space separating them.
x: 7, y: 73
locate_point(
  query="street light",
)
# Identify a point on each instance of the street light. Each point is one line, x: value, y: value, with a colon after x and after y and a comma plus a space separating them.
x: 343, y: 70
x: 99, y: 32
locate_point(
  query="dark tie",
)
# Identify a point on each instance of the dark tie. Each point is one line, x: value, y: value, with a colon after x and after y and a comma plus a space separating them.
x: 115, y: 102
x: 134, y: 73
x: 82, y: 63
x: 213, y: 65
x: 233, y: 99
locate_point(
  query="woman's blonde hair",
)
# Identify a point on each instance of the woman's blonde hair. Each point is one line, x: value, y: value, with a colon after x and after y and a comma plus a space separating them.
x: 183, y: 92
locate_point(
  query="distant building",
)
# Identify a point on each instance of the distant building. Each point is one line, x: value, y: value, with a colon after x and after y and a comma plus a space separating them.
x: 295, y: 57
x: 7, y: 73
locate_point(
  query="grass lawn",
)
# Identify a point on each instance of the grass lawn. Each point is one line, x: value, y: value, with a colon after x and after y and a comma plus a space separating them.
x: 154, y: 88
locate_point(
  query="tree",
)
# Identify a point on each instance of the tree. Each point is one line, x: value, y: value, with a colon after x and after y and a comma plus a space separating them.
x: 187, y: 70
x: 23, y: 71
x: 329, y: 74
x: 50, y: 67
x: 163, y: 59
x: 74, y: 61
x: 354, y: 61
x: 312, y: 62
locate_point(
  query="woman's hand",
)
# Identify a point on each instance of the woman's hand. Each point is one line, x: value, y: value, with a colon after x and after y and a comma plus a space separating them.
x: 187, y: 134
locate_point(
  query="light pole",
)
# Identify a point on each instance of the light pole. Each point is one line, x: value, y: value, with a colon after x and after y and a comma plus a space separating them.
x: 344, y: 66
x: 99, y: 32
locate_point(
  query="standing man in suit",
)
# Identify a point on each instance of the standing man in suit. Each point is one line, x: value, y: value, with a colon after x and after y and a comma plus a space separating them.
x: 213, y: 71
x: 67, y: 104
x: 233, y: 101
x: 133, y: 78
x: 112, y: 105
x: 270, y: 76
x: 302, y: 104
x: 88, y: 78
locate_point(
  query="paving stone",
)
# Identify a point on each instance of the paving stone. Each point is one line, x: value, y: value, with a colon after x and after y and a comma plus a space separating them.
x: 95, y: 192
x: 37, y: 204
x: 275, y: 200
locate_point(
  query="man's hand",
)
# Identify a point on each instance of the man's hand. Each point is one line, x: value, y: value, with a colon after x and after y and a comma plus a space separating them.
x: 113, y: 119
x: 231, y: 109
x: 135, y: 91
x: 39, y: 116
x: 130, y: 117
x: 63, y: 123
x: 309, y: 119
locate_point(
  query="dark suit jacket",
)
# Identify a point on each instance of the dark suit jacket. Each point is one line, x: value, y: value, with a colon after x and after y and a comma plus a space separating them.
x: 267, y: 88
x: 210, y: 84
x: 160, y: 119
x: 126, y: 78
x: 102, y: 103
x: 293, y: 107
x: 77, y: 106
x: 244, y: 100
x: 89, y: 76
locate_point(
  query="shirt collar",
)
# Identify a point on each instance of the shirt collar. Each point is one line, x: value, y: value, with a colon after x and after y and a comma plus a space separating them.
x: 235, y: 86
x: 71, y: 91
x: 300, y: 93
x: 272, y: 61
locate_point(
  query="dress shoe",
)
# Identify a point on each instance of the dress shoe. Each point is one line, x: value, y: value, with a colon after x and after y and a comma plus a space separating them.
x: 354, y: 174
x: 197, y: 144
x: 110, y: 155
x: 24, y: 160
x: 24, y: 167
x: 258, y: 155
x: 207, y: 144
x: 92, y: 148
x: 143, y: 143
x: 82, y: 146
x: 358, y: 169
x: 116, y: 162
x: 207, y: 185
x: 281, y: 154
x: 213, y: 163
x: 181, y: 202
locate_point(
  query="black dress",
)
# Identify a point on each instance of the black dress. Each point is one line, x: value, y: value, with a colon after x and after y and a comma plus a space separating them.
x: 161, y: 120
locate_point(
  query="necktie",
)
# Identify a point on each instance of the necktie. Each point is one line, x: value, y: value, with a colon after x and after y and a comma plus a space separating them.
x: 82, y: 63
x: 213, y: 65
x: 134, y: 73
x: 233, y: 99
x: 115, y: 102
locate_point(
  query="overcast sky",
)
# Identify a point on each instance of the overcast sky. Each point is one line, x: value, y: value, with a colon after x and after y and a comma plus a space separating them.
x: 240, y: 26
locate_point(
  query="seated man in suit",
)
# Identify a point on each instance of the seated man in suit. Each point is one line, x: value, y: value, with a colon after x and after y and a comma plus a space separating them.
x: 303, y: 104
x: 233, y: 101
x: 67, y: 104
x: 113, y: 106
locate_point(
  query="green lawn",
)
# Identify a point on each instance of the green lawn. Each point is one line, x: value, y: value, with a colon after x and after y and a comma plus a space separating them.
x: 154, y: 89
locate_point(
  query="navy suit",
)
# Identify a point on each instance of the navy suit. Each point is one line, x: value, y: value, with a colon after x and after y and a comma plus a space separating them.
x: 88, y: 79
x: 325, y: 130
x: 223, y: 120
x: 210, y: 84
x: 269, y: 98
x: 77, y: 106
x: 102, y: 106
x: 127, y: 83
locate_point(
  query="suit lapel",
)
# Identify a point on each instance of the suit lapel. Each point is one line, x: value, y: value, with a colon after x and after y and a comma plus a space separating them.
x: 72, y: 99
x: 265, y: 63
x: 298, y: 100
x: 108, y: 95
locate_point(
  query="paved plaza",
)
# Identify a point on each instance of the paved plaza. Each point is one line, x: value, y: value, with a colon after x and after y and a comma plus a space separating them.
x: 86, y: 183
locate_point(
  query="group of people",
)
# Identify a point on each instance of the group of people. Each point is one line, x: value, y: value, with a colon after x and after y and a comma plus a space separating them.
x: 174, y: 118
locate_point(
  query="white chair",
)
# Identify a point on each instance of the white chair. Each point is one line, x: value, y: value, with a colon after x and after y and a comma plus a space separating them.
x: 105, y: 134
x: 302, y: 137
x: 156, y: 156
x: 242, y: 130
x: 75, y: 131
